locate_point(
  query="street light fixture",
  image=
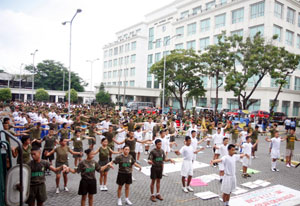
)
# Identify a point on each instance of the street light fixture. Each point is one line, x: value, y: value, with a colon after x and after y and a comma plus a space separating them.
x: 20, y: 82
x: 92, y: 62
x: 33, y: 55
x: 70, y: 49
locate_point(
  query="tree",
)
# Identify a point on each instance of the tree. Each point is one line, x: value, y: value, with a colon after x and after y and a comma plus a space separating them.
x: 41, y: 95
x: 218, y: 60
x: 5, y: 94
x: 181, y: 76
x: 257, y: 59
x: 287, y: 63
x: 49, y: 75
x: 73, y: 96
x: 103, y: 97
x: 102, y: 88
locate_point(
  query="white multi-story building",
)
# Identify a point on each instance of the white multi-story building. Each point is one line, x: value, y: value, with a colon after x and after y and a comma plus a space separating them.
x: 199, y: 22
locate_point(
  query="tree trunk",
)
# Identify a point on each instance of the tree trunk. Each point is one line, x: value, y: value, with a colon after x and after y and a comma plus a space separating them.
x: 181, y: 103
x: 217, y: 93
x: 275, y: 100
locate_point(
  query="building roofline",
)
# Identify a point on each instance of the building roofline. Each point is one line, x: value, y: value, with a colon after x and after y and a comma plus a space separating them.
x: 164, y: 7
x: 130, y: 27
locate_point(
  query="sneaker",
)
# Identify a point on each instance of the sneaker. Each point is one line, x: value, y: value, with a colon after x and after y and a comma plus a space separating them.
x: 127, y: 202
x: 101, y: 187
x: 273, y: 169
x: 57, y: 191
x: 185, y: 190
x: 133, y: 179
x: 159, y: 197
x: 277, y: 170
x: 66, y: 189
x: 292, y: 165
x: 119, y: 202
x: 248, y: 175
x: 244, y: 175
x: 138, y: 162
x: 164, y: 174
x: 104, y: 188
x: 255, y: 157
x: 190, y: 189
x: 288, y: 165
x: 152, y: 198
x: 221, y: 180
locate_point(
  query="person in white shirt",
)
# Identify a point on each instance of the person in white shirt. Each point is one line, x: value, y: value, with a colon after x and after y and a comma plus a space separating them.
x: 247, y: 149
x: 192, y: 128
x: 287, y: 124
x: 187, y: 151
x: 275, y: 151
x: 243, y: 135
x: 218, y: 140
x: 223, y: 152
x: 148, y: 128
x: 121, y: 136
x: 138, y: 135
x: 229, y: 179
x: 105, y: 124
x: 195, y: 142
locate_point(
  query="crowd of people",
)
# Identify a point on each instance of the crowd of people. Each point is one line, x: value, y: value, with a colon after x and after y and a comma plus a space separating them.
x: 48, y: 133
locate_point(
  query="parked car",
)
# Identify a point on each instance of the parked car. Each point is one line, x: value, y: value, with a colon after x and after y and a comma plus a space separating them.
x: 260, y: 114
x: 278, y: 117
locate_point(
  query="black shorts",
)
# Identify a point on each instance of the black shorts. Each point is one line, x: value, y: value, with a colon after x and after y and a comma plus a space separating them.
x: 156, y: 173
x: 77, y: 150
x: 172, y: 139
x: 287, y: 127
x: 103, y: 163
x: 124, y: 178
x: 38, y: 193
x: 87, y: 187
x: 133, y: 154
x: 294, y: 128
x: 92, y: 142
x: 44, y: 157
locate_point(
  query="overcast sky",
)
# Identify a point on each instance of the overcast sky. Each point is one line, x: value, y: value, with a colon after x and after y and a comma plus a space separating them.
x: 26, y: 25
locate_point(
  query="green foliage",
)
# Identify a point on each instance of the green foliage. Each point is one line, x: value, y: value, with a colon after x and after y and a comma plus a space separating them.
x: 49, y: 75
x: 73, y: 96
x: 5, y: 94
x: 101, y: 88
x: 41, y: 95
x: 103, y: 97
x: 181, y: 76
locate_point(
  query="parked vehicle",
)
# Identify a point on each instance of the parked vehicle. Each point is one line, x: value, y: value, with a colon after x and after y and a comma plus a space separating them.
x: 135, y: 106
x: 259, y: 114
x: 278, y: 117
x: 203, y: 109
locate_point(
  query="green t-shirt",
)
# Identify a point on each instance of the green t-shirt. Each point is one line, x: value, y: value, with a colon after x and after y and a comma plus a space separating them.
x: 158, y: 157
x: 26, y: 155
x: 77, y: 142
x: 125, y: 163
x: 88, y: 168
x: 103, y: 154
x: 38, y: 171
x: 235, y: 133
x: 49, y: 142
x: 62, y: 154
x: 290, y: 141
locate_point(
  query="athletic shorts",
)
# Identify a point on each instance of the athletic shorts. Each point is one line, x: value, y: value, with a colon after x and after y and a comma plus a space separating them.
x: 138, y: 147
x: 58, y: 164
x: 217, y: 151
x: 254, y: 149
x: 44, y: 157
x: 228, y: 184
x: 133, y: 154
x: 156, y: 173
x: 275, y: 154
x: 92, y: 142
x: 289, y: 152
x: 103, y: 163
x: 287, y: 127
x: 187, y: 168
x: 246, y: 162
x: 111, y: 146
x: 124, y: 178
x: 87, y: 186
x: 221, y: 166
x: 172, y: 139
x: 77, y: 150
x: 38, y: 193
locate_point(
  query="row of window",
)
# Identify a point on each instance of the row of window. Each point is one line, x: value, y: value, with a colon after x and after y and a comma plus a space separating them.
x: 290, y: 13
x: 131, y: 83
x: 289, y: 36
x: 116, y: 62
x: 120, y: 49
x: 119, y: 73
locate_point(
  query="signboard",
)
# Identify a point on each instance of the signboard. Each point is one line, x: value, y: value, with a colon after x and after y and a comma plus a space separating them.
x: 269, y: 196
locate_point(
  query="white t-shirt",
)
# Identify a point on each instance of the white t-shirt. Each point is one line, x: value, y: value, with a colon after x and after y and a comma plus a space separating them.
x: 247, y: 147
x: 218, y: 138
x: 105, y: 124
x: 138, y: 135
x: 187, y: 152
x: 287, y: 122
x: 223, y: 150
x: 276, y: 143
x: 121, y: 136
x: 194, y: 143
x: 189, y: 132
x: 229, y: 164
x: 149, y: 126
x: 244, y: 135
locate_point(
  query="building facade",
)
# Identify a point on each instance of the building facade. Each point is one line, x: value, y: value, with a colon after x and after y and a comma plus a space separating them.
x: 197, y: 23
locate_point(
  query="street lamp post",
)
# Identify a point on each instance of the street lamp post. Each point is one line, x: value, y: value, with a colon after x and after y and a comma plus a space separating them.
x: 20, y: 82
x: 70, y: 49
x: 33, y: 55
x: 92, y: 62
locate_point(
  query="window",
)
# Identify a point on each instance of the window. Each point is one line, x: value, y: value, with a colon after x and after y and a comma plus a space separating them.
x: 150, y: 60
x: 151, y: 38
x: 238, y: 15
x: 126, y: 72
x: 179, y: 46
x: 110, y: 52
x: 166, y: 40
x: 253, y: 80
x: 109, y: 63
x: 298, y: 19
x: 132, y: 83
x: 126, y: 59
x: 157, y: 57
x: 105, y: 64
x: 121, y: 61
x: 289, y: 36
x: 204, y: 80
x: 278, y: 10
x: 116, y: 51
x: 166, y: 53
x: 121, y: 48
x: 298, y: 41
x: 237, y: 32
x: 115, y: 74
x: 223, y: 2
x: 191, y: 29
x: 120, y: 83
x: 220, y: 82
x: 191, y: 45
x: 275, y: 106
x: 179, y: 32
x: 132, y: 71
x: 115, y: 62
x: 114, y: 83
x: 163, y: 28
x: 297, y: 84
x: 285, y: 107
x: 210, y: 4
x: 196, y: 10
x: 232, y: 104
x: 255, y: 106
x: 133, y: 45
x: 157, y: 43
x: 120, y: 73
x: 104, y: 75
x: 109, y: 75
x: 149, y: 75
x: 277, y: 31
x: 184, y: 14
x: 108, y: 83
x: 201, y: 102
x: 204, y: 43
x: 296, y: 106
x: 127, y: 47
x: 220, y: 20
x: 290, y: 16
x: 254, y: 30
x: 105, y: 53
x: 216, y: 39
x: 204, y: 25
x: 257, y: 10
x: 213, y: 103
x: 132, y: 58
